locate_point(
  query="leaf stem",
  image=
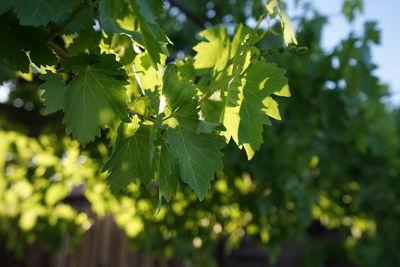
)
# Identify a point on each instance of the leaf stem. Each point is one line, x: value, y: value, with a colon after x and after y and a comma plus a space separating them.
x: 204, y: 97
x: 262, y: 17
x: 140, y: 116
x: 59, y: 51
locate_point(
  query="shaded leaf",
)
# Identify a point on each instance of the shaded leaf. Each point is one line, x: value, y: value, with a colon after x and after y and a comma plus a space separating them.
x: 168, y: 172
x: 55, y: 90
x: 198, y: 154
x: 40, y: 12
x: 127, y: 163
x: 19, y: 41
x: 95, y: 97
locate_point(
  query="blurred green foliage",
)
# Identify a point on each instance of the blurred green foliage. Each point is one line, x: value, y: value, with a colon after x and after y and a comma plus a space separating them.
x: 36, y: 174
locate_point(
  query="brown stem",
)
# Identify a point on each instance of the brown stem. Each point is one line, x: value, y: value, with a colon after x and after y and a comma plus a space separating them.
x: 59, y: 51
x: 140, y: 116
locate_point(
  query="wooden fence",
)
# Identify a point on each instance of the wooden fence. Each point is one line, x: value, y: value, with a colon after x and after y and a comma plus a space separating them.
x: 105, y: 245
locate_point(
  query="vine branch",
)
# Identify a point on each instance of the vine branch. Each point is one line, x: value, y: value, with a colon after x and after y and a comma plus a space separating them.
x: 61, y: 28
x: 58, y: 29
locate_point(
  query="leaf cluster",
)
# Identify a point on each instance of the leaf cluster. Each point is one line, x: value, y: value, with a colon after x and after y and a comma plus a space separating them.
x: 165, y: 121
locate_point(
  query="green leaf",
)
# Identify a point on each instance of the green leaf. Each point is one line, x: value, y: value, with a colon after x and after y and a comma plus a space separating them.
x: 209, y: 127
x: 127, y: 162
x: 95, y: 97
x: 198, y: 154
x: 273, y: 108
x: 110, y: 13
x: 87, y: 40
x: 41, y: 12
x: 154, y: 135
x: 19, y: 41
x: 215, y: 52
x: 241, y: 57
x: 12, y: 50
x: 137, y: 19
x: 186, y: 69
x: 242, y: 38
x: 284, y: 91
x: 151, y: 32
x: 149, y: 79
x: 245, y: 115
x: 230, y: 115
x: 150, y: 8
x: 274, y: 8
x: 55, y: 90
x: 262, y: 79
x: 83, y: 22
x: 289, y: 35
x: 180, y: 94
x: 167, y: 174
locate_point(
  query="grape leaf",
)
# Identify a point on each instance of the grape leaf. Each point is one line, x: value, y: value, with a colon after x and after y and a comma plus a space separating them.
x: 87, y: 40
x: 167, y: 173
x: 139, y: 24
x: 83, y: 22
x: 127, y: 163
x: 151, y: 32
x: 248, y: 104
x: 95, y: 97
x: 40, y: 12
x: 289, y: 35
x: 154, y: 135
x: 230, y: 114
x: 110, y: 13
x: 12, y: 50
x: 215, y: 52
x: 241, y: 57
x: 284, y: 91
x: 55, y: 90
x: 148, y: 79
x: 209, y: 127
x: 245, y: 88
x: 273, y: 108
x: 262, y: 79
x: 18, y: 40
x: 198, y: 154
x: 150, y: 8
x: 274, y: 8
